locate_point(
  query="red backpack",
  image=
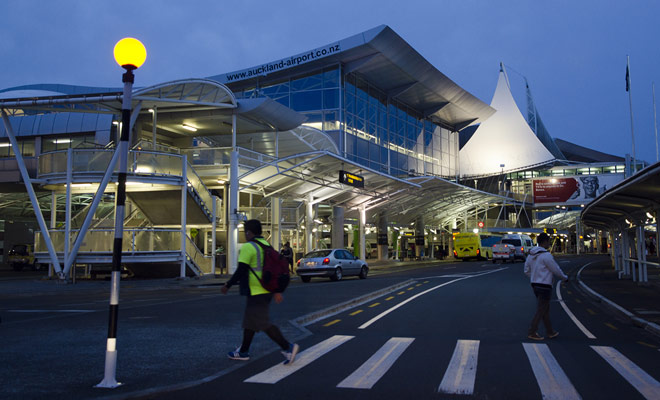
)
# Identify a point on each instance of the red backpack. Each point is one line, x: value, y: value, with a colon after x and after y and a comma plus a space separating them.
x: 275, y: 271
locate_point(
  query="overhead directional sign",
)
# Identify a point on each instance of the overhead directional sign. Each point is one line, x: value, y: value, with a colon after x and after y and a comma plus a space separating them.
x: 351, y: 179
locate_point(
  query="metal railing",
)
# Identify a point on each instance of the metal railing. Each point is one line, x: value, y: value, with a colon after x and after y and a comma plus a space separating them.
x: 219, y: 156
x: 202, y: 262
x: 101, y: 240
x: 140, y: 163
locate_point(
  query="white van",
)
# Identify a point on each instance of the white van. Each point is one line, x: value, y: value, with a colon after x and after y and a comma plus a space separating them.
x: 522, y: 243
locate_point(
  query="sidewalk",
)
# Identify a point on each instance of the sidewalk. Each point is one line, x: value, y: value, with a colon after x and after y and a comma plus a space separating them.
x: 639, y: 302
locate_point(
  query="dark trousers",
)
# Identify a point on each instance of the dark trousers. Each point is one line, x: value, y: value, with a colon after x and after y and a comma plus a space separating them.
x: 543, y: 294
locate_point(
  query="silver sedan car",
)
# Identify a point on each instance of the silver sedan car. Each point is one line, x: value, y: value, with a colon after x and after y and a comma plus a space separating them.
x: 331, y: 263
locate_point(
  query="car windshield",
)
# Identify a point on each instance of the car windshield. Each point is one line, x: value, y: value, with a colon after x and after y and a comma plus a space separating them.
x: 318, y: 253
x: 515, y: 242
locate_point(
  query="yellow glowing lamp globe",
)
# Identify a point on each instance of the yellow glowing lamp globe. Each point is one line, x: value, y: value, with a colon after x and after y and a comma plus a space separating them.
x: 130, y: 53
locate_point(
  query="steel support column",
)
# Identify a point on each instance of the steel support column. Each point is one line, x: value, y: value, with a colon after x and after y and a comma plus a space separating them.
x: 33, y: 197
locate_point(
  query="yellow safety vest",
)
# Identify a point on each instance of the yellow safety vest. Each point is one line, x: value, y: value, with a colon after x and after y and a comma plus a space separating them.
x: 248, y: 255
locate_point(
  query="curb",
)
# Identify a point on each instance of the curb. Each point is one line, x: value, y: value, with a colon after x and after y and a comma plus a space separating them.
x: 315, y: 316
x: 637, y: 321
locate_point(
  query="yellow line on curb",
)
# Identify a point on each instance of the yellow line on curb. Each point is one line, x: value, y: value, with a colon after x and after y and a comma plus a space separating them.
x: 389, y: 298
x: 374, y: 305
x: 611, y: 326
x: 355, y: 312
x: 332, y: 322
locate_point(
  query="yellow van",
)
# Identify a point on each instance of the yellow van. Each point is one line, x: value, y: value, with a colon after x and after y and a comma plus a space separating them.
x: 469, y: 245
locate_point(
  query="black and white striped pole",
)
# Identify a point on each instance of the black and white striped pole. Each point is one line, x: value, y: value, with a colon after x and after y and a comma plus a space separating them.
x: 130, y: 54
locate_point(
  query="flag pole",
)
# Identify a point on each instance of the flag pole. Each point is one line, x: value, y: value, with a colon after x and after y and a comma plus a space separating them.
x: 655, y: 124
x: 632, y: 126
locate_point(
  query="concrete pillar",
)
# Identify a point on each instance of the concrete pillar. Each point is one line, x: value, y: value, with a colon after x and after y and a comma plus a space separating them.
x: 309, y: 217
x: 338, y: 227
x: 275, y: 232
x: 657, y: 231
x: 419, y: 237
x: 53, y: 224
x: 641, y: 255
x: 363, y: 222
x: 214, y: 228
x: 381, y: 236
x: 184, y: 207
x: 578, y: 244
x: 450, y: 239
x: 232, y: 223
x: 625, y: 252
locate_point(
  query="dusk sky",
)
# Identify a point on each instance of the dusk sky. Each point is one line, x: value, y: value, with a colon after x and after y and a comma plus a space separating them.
x: 573, y: 53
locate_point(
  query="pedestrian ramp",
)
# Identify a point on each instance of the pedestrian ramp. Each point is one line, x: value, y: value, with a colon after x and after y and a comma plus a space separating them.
x: 462, y: 371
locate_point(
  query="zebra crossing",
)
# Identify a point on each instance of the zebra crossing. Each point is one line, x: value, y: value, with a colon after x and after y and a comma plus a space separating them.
x: 461, y: 372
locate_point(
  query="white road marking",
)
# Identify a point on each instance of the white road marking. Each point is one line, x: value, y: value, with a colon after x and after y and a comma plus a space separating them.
x: 377, y: 365
x: 552, y: 380
x: 572, y: 316
x: 384, y: 313
x: 643, y: 382
x: 281, y: 371
x: 51, y: 311
x: 462, y: 371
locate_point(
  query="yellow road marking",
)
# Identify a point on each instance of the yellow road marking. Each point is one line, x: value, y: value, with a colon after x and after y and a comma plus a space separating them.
x: 332, y: 322
x: 410, y: 288
x: 569, y: 292
x: 647, y: 345
x: 401, y: 293
x: 578, y: 301
x: 590, y: 311
x: 355, y: 312
x: 418, y: 285
x: 426, y: 281
x: 611, y: 326
x: 374, y: 305
x: 389, y: 298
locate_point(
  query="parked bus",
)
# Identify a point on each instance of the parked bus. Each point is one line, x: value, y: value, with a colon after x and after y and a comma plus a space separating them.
x: 469, y: 245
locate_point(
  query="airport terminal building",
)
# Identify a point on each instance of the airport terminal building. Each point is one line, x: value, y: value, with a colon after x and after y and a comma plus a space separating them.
x: 353, y: 144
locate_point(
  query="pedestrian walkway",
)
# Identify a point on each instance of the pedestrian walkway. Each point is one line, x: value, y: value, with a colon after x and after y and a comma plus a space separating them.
x: 636, y: 301
x: 461, y: 371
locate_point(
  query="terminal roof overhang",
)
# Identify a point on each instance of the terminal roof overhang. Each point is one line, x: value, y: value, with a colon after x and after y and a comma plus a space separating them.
x: 629, y: 200
x: 384, y: 59
x: 203, y: 103
x: 314, y: 176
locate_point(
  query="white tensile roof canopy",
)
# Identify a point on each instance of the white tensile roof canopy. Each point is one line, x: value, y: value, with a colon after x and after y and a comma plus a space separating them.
x: 504, y: 138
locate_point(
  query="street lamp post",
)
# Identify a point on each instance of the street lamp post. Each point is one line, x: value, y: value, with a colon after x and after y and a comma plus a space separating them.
x: 130, y: 54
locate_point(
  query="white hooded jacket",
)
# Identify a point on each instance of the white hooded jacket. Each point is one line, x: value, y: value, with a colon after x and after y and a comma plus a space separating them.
x: 540, y: 266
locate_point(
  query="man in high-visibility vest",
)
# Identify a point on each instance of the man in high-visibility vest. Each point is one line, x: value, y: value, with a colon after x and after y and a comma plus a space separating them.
x: 256, y: 317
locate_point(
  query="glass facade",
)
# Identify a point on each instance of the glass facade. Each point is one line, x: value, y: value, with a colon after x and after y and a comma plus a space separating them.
x: 27, y: 148
x: 372, y: 130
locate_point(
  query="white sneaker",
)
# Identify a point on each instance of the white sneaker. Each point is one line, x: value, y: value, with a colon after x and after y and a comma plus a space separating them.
x: 290, y: 354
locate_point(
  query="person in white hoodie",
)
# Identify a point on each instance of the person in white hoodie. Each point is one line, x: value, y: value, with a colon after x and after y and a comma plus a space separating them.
x: 541, y: 268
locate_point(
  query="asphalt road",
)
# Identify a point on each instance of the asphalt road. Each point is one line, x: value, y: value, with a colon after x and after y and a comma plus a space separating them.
x: 459, y: 328
x: 456, y: 333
